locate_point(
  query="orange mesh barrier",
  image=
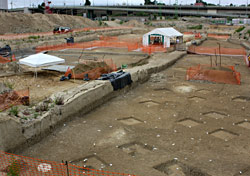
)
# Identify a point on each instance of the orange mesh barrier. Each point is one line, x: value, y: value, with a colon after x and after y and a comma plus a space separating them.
x: 4, y: 60
x: 188, y: 33
x: 13, y: 98
x: 216, y: 36
x: 225, y: 74
x: 11, y: 164
x: 198, y: 36
x: 108, y: 44
x: 216, y: 51
x: 108, y: 38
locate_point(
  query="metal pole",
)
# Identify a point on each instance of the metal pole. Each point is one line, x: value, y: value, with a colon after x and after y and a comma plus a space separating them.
x: 219, y: 53
x: 216, y: 58
x: 66, y: 163
x: 211, y: 62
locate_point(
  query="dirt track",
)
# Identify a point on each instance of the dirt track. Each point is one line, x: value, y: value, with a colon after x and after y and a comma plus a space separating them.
x: 167, y: 126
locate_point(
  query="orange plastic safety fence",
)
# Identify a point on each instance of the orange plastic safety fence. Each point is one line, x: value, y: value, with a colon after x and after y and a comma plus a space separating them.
x: 11, y: 164
x: 152, y: 49
x: 216, y: 51
x: 13, y: 98
x: 197, y: 35
x: 188, y: 33
x: 131, y: 46
x: 217, y: 36
x: 4, y: 60
x: 114, y: 38
x: 226, y: 74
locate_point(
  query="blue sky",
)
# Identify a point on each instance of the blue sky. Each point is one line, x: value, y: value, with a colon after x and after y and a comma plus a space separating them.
x: 22, y: 3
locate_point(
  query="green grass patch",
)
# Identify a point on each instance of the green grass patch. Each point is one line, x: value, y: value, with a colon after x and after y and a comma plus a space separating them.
x: 240, y: 29
x: 34, y: 37
x: 196, y: 27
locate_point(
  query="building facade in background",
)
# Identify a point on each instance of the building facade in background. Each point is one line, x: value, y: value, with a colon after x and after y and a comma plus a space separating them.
x: 3, y: 4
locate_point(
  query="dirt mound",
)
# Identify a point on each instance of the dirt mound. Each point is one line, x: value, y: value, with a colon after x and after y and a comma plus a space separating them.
x: 25, y: 23
x: 80, y: 68
x: 134, y: 23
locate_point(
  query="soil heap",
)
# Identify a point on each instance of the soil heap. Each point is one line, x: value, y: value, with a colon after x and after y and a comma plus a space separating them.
x: 31, y: 23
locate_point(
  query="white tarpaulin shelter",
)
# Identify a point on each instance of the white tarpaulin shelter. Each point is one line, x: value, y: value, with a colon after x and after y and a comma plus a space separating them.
x: 41, y: 60
x: 165, y: 33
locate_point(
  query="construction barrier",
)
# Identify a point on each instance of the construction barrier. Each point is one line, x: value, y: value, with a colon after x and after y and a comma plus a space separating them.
x: 4, y: 60
x: 197, y: 35
x: 17, y: 165
x: 224, y: 74
x: 131, y: 46
x: 188, y: 33
x: 216, y: 51
x: 108, y: 38
x: 219, y: 36
x: 13, y: 98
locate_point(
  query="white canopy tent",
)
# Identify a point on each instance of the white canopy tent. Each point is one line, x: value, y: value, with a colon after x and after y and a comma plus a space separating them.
x: 165, y: 33
x: 41, y: 60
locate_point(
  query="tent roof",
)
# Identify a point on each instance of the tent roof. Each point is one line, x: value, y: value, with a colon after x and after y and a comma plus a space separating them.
x: 169, y: 32
x: 40, y: 60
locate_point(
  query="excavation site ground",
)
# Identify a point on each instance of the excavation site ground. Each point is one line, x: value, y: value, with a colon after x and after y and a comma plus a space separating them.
x: 181, y: 109
x: 166, y: 126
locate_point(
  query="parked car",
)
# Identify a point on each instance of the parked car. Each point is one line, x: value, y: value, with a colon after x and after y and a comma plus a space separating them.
x: 61, y: 30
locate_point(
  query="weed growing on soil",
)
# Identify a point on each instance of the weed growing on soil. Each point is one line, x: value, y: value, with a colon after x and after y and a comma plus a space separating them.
x: 14, y: 111
x: 14, y: 168
x: 34, y: 37
x: 59, y: 100
x: 240, y: 29
x: 42, y: 107
x: 35, y: 115
x: 196, y: 27
x: 9, y: 85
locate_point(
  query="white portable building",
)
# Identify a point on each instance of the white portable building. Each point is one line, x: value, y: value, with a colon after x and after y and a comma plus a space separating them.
x: 166, y: 35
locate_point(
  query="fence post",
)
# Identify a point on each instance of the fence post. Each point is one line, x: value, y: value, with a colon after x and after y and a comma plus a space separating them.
x: 67, y: 166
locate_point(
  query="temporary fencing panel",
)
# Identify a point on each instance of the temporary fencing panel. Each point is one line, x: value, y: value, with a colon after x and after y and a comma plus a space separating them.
x: 102, y: 37
x: 188, y: 33
x: 4, y: 60
x: 216, y: 51
x: 103, y: 44
x: 11, y: 164
x: 13, y: 98
x: 226, y: 74
x: 217, y: 36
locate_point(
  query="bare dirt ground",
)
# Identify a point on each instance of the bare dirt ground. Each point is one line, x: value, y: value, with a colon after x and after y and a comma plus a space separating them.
x: 224, y: 44
x: 118, y: 55
x: 26, y: 23
x: 166, y: 126
x: 43, y: 86
x: 48, y: 82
